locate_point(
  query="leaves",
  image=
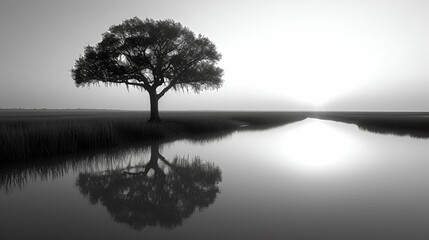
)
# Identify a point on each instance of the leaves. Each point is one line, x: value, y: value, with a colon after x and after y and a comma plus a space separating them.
x: 150, y: 54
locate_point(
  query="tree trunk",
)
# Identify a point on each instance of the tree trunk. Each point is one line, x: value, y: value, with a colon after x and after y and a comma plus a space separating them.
x: 154, y: 113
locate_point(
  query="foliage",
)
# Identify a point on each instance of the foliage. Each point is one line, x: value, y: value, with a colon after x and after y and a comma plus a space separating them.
x: 150, y: 54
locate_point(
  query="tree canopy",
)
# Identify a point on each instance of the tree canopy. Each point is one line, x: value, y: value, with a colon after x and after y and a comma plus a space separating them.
x: 152, y: 55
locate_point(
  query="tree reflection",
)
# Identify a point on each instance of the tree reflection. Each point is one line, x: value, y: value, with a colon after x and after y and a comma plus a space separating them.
x: 159, y: 192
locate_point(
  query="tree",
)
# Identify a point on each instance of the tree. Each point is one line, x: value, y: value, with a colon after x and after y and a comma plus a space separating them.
x: 153, y: 56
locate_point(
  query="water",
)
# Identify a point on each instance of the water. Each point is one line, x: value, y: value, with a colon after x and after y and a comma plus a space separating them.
x: 312, y: 179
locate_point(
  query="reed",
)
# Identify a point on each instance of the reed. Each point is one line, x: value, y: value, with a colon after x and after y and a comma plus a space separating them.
x: 28, y: 135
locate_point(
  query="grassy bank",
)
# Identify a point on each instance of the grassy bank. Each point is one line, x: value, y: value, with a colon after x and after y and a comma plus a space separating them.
x: 30, y: 134
x: 414, y: 124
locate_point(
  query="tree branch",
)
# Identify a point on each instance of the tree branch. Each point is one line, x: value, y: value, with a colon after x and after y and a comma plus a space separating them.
x: 165, y: 161
x: 170, y: 85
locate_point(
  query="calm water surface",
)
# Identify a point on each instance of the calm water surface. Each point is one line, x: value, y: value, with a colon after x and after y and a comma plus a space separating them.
x: 312, y: 179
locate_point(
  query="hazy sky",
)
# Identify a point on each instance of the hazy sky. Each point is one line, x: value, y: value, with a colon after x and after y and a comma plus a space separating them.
x: 277, y: 55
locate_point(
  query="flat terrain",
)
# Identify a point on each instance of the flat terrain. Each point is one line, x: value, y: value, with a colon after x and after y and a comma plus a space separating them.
x: 414, y: 124
x: 30, y: 134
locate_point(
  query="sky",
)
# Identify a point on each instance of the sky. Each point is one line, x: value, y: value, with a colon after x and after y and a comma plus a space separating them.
x: 335, y: 55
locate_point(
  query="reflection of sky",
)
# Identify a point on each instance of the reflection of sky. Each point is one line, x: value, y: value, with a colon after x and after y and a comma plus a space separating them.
x: 312, y: 179
x: 316, y: 146
x: 320, y: 158
x: 318, y: 179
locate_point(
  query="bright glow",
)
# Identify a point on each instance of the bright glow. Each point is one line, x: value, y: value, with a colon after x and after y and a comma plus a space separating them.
x: 316, y: 146
x: 277, y: 54
x: 308, y: 55
x: 321, y: 60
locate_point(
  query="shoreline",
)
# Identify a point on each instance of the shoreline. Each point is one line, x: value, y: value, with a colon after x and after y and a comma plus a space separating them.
x: 38, y: 135
x: 31, y: 135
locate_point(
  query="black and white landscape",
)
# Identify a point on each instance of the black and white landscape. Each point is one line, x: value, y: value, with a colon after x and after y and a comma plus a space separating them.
x: 214, y: 119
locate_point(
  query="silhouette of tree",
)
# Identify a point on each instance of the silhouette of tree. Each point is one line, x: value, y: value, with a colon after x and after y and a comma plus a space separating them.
x: 157, y: 193
x: 150, y: 55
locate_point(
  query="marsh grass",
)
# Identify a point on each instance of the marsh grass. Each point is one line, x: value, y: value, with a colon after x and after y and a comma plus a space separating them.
x: 26, y: 135
x: 15, y: 175
x: 396, y: 123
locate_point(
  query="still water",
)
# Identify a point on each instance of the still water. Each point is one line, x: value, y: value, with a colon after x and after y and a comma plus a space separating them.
x: 312, y: 179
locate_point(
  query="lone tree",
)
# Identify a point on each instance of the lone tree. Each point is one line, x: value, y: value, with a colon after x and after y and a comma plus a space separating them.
x: 154, y: 56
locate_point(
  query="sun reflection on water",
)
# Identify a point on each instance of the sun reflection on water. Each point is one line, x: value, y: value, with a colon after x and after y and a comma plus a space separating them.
x: 318, y: 147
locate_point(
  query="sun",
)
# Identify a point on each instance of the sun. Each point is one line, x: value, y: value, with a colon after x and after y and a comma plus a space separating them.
x: 322, y: 60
